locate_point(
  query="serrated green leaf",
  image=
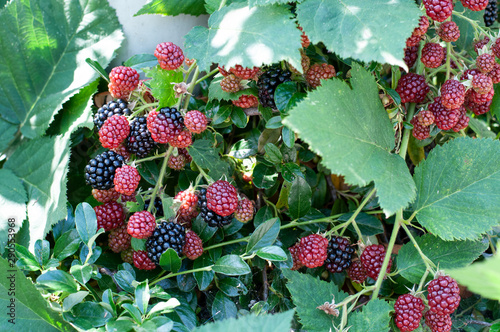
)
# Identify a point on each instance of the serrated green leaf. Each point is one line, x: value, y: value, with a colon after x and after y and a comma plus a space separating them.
x: 358, y: 29
x: 58, y: 280
x: 238, y: 34
x: 272, y: 253
x: 458, y: 195
x: 445, y: 254
x: 264, y: 235
x: 223, y: 307
x: 25, y: 259
x: 170, y: 261
x: 161, y: 84
x: 252, y: 3
x: 281, y: 322
x: 231, y: 265
x: 13, y: 199
x: 7, y: 132
x: 44, y: 43
x: 173, y: 7
x: 42, y: 165
x: 482, y: 278
x: 32, y: 312
x: 85, y: 221
x: 299, y: 199
x: 273, y: 153
x: 308, y: 293
x: 355, y: 137
x: 373, y: 317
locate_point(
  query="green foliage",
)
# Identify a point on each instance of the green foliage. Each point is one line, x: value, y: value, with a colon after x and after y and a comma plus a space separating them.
x: 373, y: 317
x: 216, y: 92
x: 13, y: 199
x: 277, y: 323
x: 162, y: 84
x: 455, y: 197
x: 173, y: 7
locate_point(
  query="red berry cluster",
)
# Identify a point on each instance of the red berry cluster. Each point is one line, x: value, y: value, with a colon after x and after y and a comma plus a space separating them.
x: 193, y: 248
x: 222, y: 198
x: 318, y: 72
x: 169, y: 55
x: 122, y: 81
x: 313, y: 250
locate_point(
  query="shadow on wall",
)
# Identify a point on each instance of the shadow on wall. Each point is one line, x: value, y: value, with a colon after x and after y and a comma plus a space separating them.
x: 144, y: 32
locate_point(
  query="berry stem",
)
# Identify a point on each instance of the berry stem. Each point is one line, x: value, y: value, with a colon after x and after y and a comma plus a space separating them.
x: 205, y: 175
x: 422, y: 280
x: 213, y: 72
x: 160, y: 177
x: 428, y: 263
x: 191, y: 86
x: 138, y: 161
x: 448, y: 60
x: 352, y: 219
x: 142, y: 108
x: 406, y: 135
x: 170, y: 275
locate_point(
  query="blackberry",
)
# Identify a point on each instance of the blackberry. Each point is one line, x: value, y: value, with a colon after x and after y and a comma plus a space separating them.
x: 158, y: 207
x: 433, y: 55
x: 425, y: 118
x: 339, y: 254
x: 449, y: 31
x: 411, y: 54
x: 100, y: 171
x: 444, y: 118
x: 141, y: 225
x: 165, y: 124
x: 313, y: 250
x: 294, y: 251
x: 443, y: 295
x: 169, y: 55
x: 142, y: 261
x: 139, y: 141
x: 222, y: 198
x: 490, y: 13
x: 438, y: 10
x: 372, y: 259
x: 476, y: 108
x: 109, y: 215
x: 438, y: 323
x: 420, y: 131
x: 475, y: 5
x: 126, y: 180
x: 485, y: 62
x: 452, y: 94
x: 268, y: 82
x: 409, y: 310
x: 479, y: 44
x: 412, y: 88
x: 318, y: 72
x: 243, y: 72
x: 166, y: 235
x: 118, y: 107
x: 209, y: 216
x: 119, y: 239
x: 357, y: 272
x: 193, y: 248
x: 114, y: 131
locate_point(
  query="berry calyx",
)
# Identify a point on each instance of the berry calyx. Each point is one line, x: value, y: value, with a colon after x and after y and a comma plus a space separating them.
x: 109, y: 215
x: 318, y: 72
x: 409, y: 311
x: 141, y: 225
x: 119, y: 239
x: 433, y: 55
x: 443, y: 295
x: 339, y: 254
x: 244, y: 211
x: 412, y: 88
x: 169, y: 55
x: 126, y: 180
x: 195, y: 121
x: 114, y: 131
x: 122, y: 81
x: 313, y: 250
x: 142, y: 261
x: 193, y: 248
x: 372, y: 259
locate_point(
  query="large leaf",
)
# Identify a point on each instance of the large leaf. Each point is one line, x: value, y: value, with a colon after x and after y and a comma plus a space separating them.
x: 374, y: 317
x: 13, y: 202
x: 250, y: 323
x: 446, y: 254
x: 238, y: 34
x: 231, y: 265
x: 223, y: 307
x: 308, y: 293
x: 32, y: 312
x: 458, y: 196
x: 173, y: 7
x: 359, y: 29
x: 42, y: 165
x: 355, y: 137
x: 42, y: 52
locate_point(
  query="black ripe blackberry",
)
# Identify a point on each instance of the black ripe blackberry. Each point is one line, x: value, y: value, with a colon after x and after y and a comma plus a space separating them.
x: 339, y: 254
x: 268, y: 82
x: 100, y: 171
x: 173, y: 117
x: 166, y: 235
x: 490, y: 13
x: 209, y: 216
x: 118, y: 106
x: 158, y: 207
x: 139, y: 141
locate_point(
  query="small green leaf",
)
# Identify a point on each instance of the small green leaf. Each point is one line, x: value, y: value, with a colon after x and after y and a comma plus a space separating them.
x: 299, y: 200
x: 284, y: 93
x: 142, y: 296
x: 204, y: 231
x: 98, y: 68
x: 67, y: 244
x: 264, y: 235
x: 231, y: 265
x: 82, y: 273
x: 165, y: 306
x: 73, y: 299
x: 90, y: 313
x: 272, y: 253
x: 264, y: 177
x: 232, y: 287
x: 290, y: 171
x: 170, y: 261
x: 138, y: 244
x: 58, y: 280
x: 222, y: 114
x: 223, y: 307
x: 86, y: 221
x: 140, y: 61
x: 273, y: 153
x: 124, y: 279
x: 368, y: 224
x: 239, y: 117
x: 375, y: 316
x: 161, y: 84
x: 288, y: 136
x: 119, y: 325
x: 274, y: 123
x: 203, y: 278
x: 281, y: 322
x: 25, y: 259
x: 264, y: 214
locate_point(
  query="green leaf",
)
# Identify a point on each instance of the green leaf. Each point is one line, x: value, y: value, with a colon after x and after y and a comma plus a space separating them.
x: 272, y: 253
x: 45, y: 44
x: 264, y: 177
x: 173, y: 7
x: 222, y: 113
x: 308, y: 293
x: 359, y: 29
x: 82, y: 273
x: 133, y: 311
x: 252, y: 3
x: 457, y: 196
x: 495, y: 103
x: 482, y: 278
x: 89, y: 313
x: 368, y: 224
x: 207, y: 157
x: 25, y: 259
x: 32, y: 312
x: 73, y: 299
x: 239, y: 117
x: 299, y: 199
x: 161, y: 84
x: 467, y: 30
x: 288, y: 136
x: 140, y: 61
x: 138, y: 244
x: 231, y: 265
x: 58, y: 280
x: 355, y: 137
x: 7, y: 132
x: 42, y: 251
x: 264, y: 235
x: 273, y: 153
x: 481, y: 128
x: 445, y: 254
x: 232, y: 287
x: 203, y: 278
x: 223, y: 307
x: 238, y: 34
x: 142, y: 296
x: 281, y: 322
x: 284, y: 93
x: 67, y: 244
x: 124, y: 279
x: 13, y: 199
x: 274, y: 122
x: 42, y: 165
x: 290, y: 171
x: 98, y: 68
x: 170, y: 261
x: 86, y: 221
x: 165, y: 306
x: 374, y: 317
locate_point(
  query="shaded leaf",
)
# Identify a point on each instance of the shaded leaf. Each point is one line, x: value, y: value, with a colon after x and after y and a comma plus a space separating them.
x: 223, y: 307
x: 264, y: 235
x: 250, y: 323
x: 170, y: 260
x: 373, y: 317
x: 173, y: 7
x: 58, y: 280
x: 13, y: 199
x: 86, y: 221
x: 299, y: 199
x: 231, y: 265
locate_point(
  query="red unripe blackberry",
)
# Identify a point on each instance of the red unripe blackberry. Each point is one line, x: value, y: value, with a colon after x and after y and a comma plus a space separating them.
x: 313, y: 250
x: 469, y: 74
x: 414, y: 40
x: 423, y: 25
x: 411, y: 54
x: 480, y: 98
x: 432, y: 55
x: 443, y: 295
x: 475, y: 5
x: 209, y: 216
x: 169, y: 55
x: 183, y: 140
x: 141, y: 225
x: 142, y: 261
x: 356, y: 272
x: 481, y: 83
x: 338, y: 254
x: 222, y: 198
x: 119, y: 239
x: 114, y: 131
x: 128, y: 256
x: 372, y: 259
x: 244, y: 72
x: 485, y: 62
x: 230, y: 83
x: 166, y: 235
x: 420, y: 131
x: 109, y: 215
x: 412, y: 88
x: 494, y: 73
x: 223, y: 71
x: 193, y: 248
x: 189, y: 203
x: 449, y: 31
x: 305, y: 63
x: 294, y: 251
x: 438, y: 323
x: 100, y: 171
x: 438, y: 10
x: 122, y: 81
x: 195, y: 121
x: 495, y: 47
x: 176, y: 162
x: 128, y: 198
x: 304, y: 40
x: 425, y: 118
x: 479, y: 44
x: 105, y: 196
x: 165, y: 124
x: 126, y: 180
x: 118, y: 107
x: 244, y: 211
x: 463, y: 122
x: 318, y: 72
x: 452, y: 94
x: 246, y: 101
x: 408, y: 312
x: 122, y: 151
x: 444, y: 118
x: 186, y: 154
x: 476, y: 108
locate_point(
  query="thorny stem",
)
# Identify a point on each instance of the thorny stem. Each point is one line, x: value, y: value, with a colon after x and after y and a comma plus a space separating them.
x: 160, y: 178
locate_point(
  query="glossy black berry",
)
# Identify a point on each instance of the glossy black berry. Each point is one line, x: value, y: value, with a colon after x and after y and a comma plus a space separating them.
x: 268, y: 82
x: 100, y: 171
x: 490, y: 13
x: 339, y: 254
x: 158, y: 207
x: 209, y: 216
x: 166, y: 235
x: 119, y: 107
x: 139, y: 141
